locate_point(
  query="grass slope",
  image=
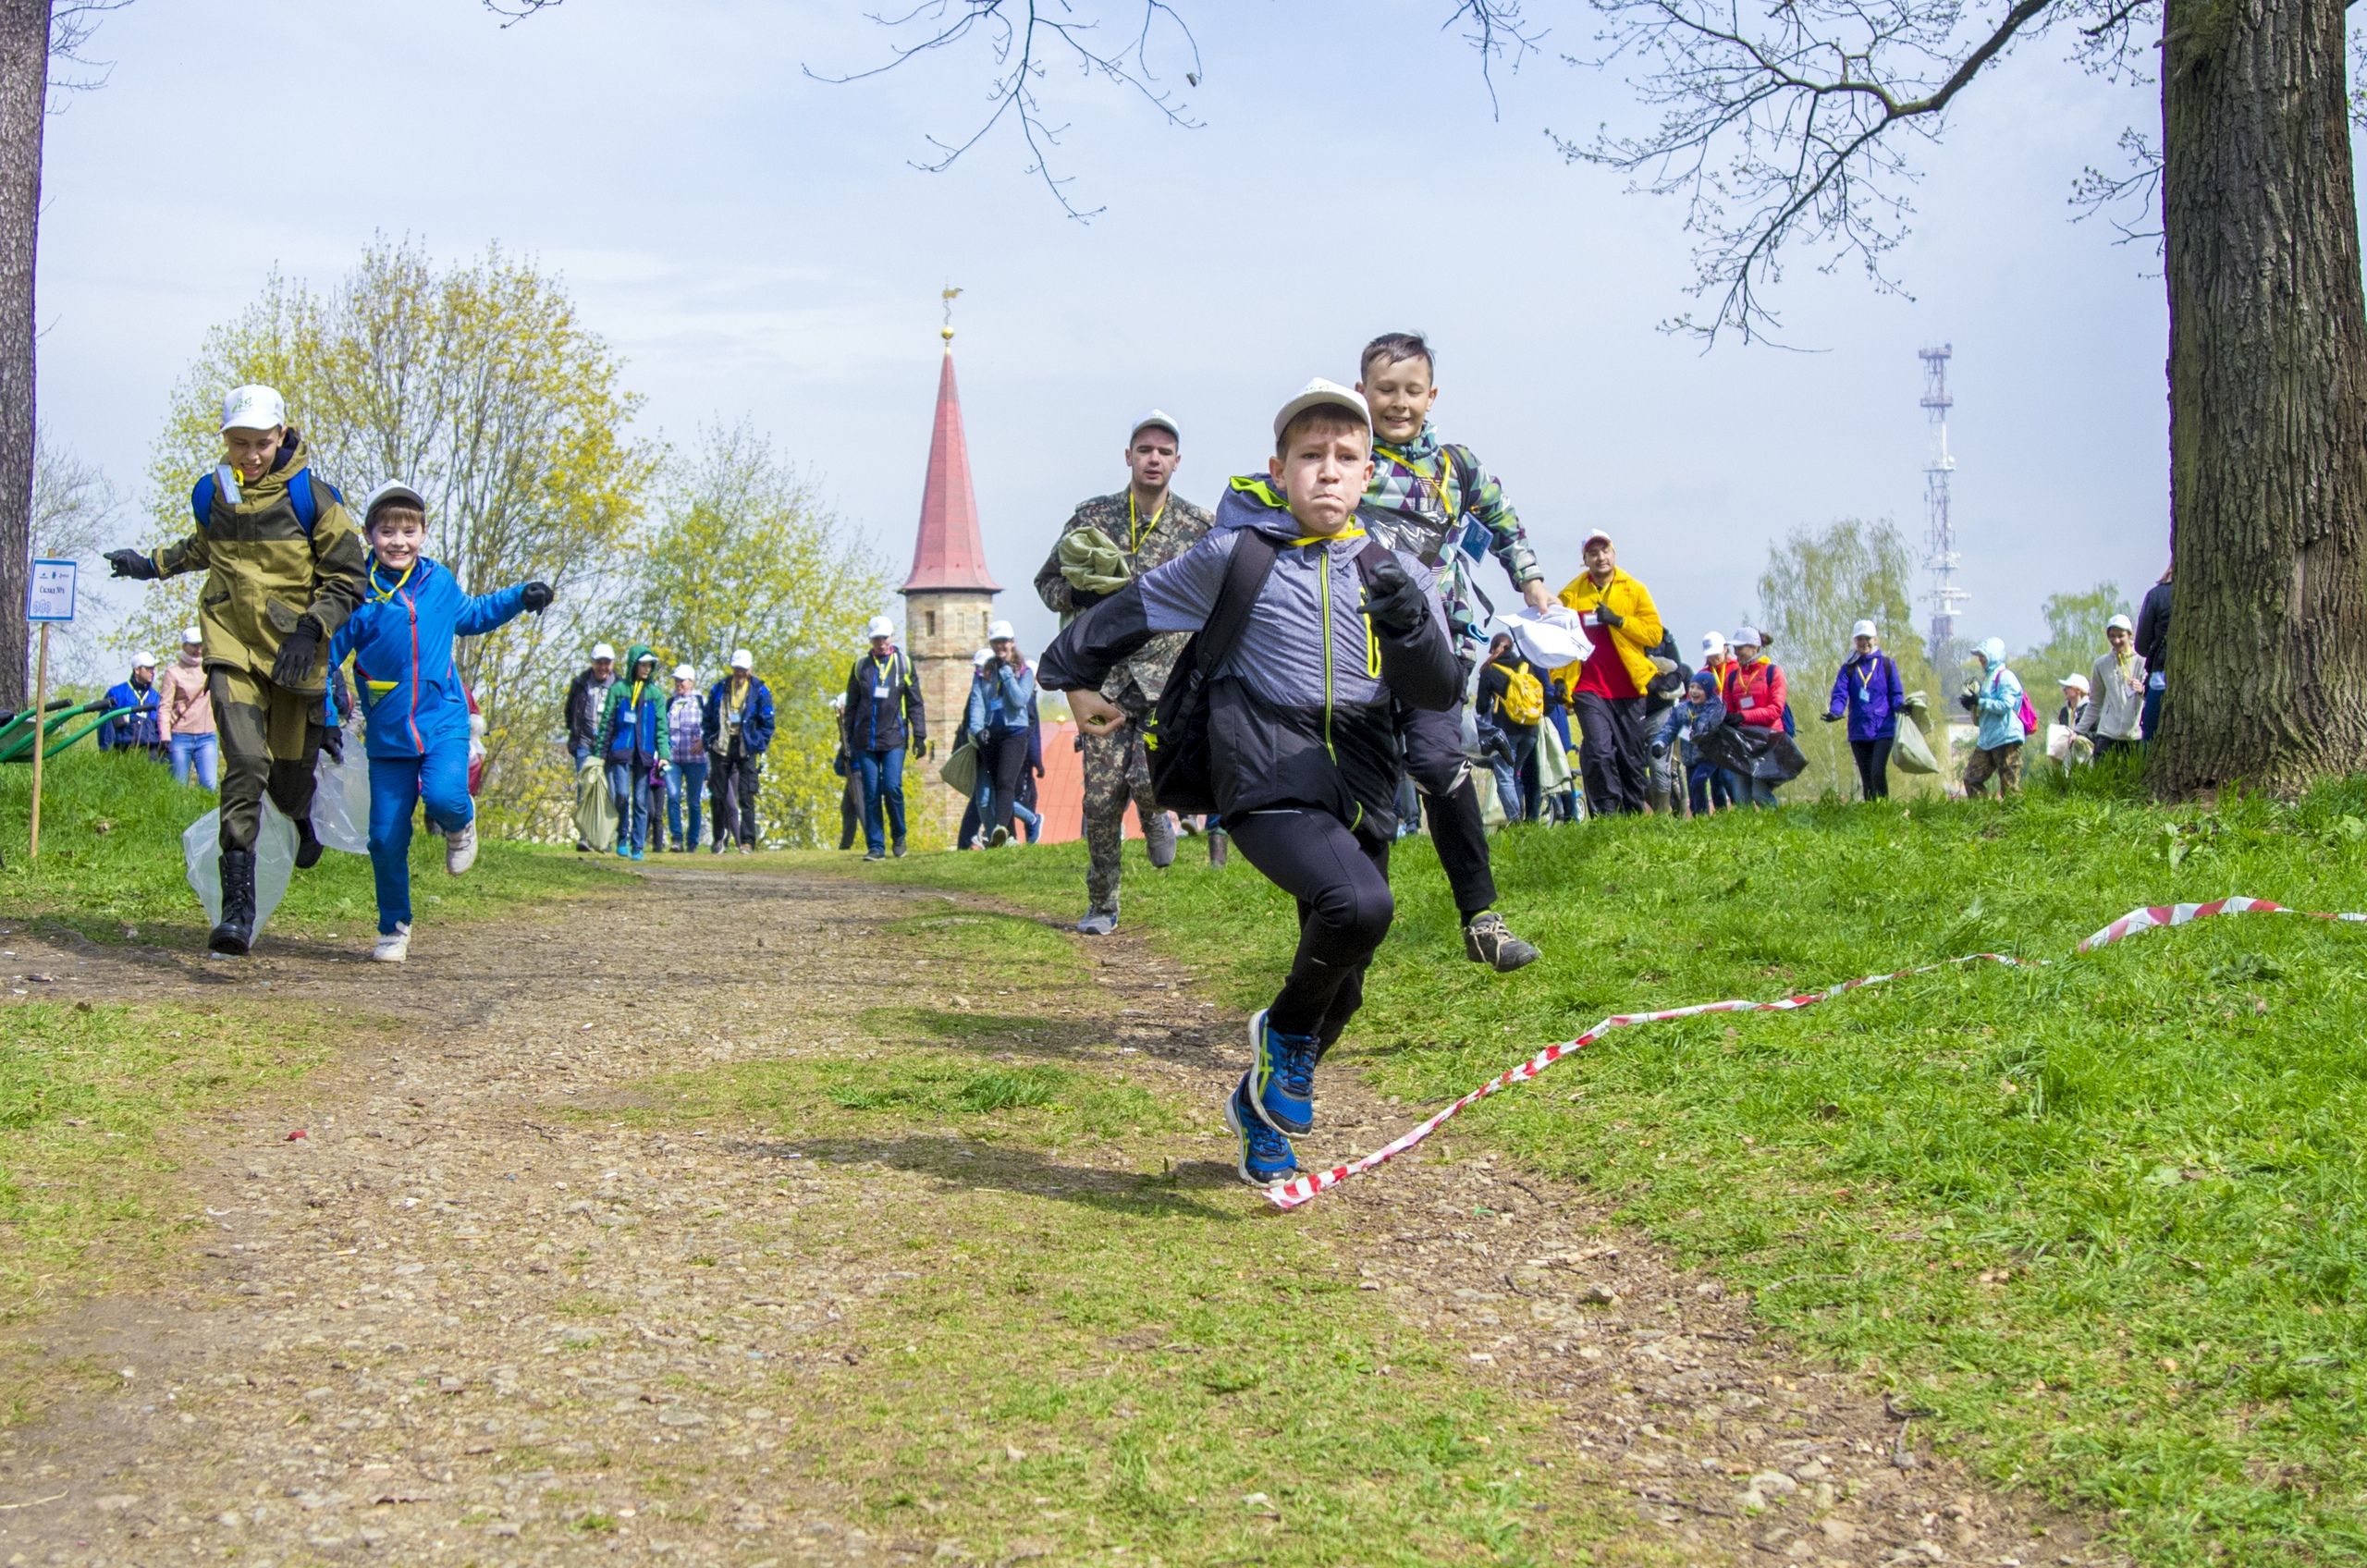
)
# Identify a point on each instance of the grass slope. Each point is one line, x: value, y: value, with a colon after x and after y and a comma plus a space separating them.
x: 2101, y: 1216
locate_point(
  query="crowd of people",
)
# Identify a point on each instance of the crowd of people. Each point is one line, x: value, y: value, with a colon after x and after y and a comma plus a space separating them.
x: 661, y: 765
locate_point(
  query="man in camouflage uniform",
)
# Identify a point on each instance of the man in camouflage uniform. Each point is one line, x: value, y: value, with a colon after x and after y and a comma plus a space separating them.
x: 1436, y: 502
x: 1109, y: 542
x: 284, y: 567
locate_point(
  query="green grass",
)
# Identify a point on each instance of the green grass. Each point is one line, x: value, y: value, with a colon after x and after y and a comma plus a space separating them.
x: 110, y: 859
x: 92, y: 1104
x: 1074, y: 1354
x: 2101, y: 1216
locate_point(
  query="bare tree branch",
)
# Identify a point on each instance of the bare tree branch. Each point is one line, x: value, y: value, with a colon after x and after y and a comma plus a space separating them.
x: 72, y: 23
x: 1499, y: 31
x: 2128, y: 201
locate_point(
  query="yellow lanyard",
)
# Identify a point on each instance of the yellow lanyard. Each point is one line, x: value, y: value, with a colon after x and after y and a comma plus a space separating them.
x: 384, y: 595
x: 1443, y: 482
x: 1135, y: 526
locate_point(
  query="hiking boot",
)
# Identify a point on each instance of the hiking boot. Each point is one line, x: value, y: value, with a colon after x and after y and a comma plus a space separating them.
x: 1159, y: 838
x: 307, y: 846
x: 1282, y: 1078
x: 1098, y: 923
x: 1266, y: 1156
x: 1218, y: 838
x: 461, y: 848
x: 394, y: 946
x: 1486, y: 940
x: 236, y: 934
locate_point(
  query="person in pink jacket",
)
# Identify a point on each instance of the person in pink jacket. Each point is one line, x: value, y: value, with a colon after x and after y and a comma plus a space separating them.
x: 186, y: 714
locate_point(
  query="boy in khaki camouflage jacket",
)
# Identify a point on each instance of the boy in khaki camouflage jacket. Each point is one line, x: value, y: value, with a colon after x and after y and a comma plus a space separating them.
x: 1110, y: 541
x: 284, y: 567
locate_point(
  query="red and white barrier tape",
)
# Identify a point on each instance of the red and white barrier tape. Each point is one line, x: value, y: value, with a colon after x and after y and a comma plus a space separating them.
x: 1290, y: 1194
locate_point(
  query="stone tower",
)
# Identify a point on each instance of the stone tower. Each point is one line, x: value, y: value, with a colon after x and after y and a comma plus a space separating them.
x: 949, y: 598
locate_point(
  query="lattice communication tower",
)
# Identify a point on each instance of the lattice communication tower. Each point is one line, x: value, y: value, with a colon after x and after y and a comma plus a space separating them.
x: 1941, y: 557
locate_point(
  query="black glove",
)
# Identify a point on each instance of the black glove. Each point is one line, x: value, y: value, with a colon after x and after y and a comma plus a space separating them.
x: 537, y: 597
x: 1969, y: 701
x: 1394, y: 600
x: 293, y: 668
x: 333, y: 742
x: 134, y: 564
x: 1605, y: 615
x: 1832, y: 719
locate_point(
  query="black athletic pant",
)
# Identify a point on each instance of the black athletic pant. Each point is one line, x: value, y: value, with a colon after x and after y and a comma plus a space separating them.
x: 1003, y: 758
x: 1341, y: 885
x: 1874, y: 765
x: 1611, y: 753
x: 731, y: 789
x: 1434, y: 760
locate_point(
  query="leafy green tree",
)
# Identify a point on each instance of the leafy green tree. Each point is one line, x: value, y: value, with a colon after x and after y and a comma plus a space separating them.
x: 478, y: 386
x: 745, y: 554
x: 1817, y: 585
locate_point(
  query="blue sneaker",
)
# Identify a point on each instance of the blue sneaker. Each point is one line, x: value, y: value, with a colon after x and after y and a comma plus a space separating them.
x: 1266, y: 1156
x: 636, y: 854
x: 1283, y: 1082
x: 624, y: 852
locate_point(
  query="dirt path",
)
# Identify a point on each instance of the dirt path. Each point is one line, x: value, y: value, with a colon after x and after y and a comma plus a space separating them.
x: 495, y: 1306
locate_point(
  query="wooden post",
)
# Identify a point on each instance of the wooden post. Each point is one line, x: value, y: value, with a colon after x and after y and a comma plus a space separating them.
x: 41, y: 699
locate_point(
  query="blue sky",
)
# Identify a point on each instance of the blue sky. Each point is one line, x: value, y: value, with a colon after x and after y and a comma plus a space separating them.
x: 754, y: 242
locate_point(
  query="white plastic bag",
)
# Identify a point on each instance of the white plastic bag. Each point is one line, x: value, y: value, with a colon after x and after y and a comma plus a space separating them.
x: 1549, y: 637
x: 274, y: 862
x: 341, y: 797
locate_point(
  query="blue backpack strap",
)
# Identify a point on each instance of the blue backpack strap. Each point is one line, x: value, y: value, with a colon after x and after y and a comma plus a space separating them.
x: 200, y: 500
x: 305, y: 499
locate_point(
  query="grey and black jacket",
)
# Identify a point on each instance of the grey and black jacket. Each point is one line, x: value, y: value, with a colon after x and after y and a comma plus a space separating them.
x: 1299, y: 713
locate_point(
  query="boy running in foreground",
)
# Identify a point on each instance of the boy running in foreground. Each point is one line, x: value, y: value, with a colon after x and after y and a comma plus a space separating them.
x: 412, y: 699
x: 1303, y: 753
x: 1423, y: 498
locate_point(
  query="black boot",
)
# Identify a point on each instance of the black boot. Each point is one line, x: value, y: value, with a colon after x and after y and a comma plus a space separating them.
x: 236, y: 931
x: 308, y: 849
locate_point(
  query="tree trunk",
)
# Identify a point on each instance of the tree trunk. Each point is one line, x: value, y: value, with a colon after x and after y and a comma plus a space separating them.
x: 2267, y: 666
x: 24, y: 103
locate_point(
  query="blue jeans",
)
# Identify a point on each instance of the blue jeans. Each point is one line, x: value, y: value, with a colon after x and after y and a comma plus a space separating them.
x: 1749, y: 791
x: 684, y: 778
x: 396, y: 787
x: 883, y: 786
x: 199, y: 750
x: 629, y: 787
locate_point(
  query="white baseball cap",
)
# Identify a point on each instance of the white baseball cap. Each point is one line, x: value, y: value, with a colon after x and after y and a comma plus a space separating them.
x: 1592, y: 535
x: 1864, y: 628
x: 684, y: 672
x: 192, y: 634
x: 253, y: 408
x: 1714, y: 643
x: 2121, y: 621
x: 880, y: 627
x: 1747, y: 636
x: 602, y: 651
x: 1000, y: 632
x: 1156, y: 417
x: 1317, y: 392
x: 142, y: 661
x: 741, y: 659
x: 394, y: 492
x: 982, y: 659
x: 2076, y: 682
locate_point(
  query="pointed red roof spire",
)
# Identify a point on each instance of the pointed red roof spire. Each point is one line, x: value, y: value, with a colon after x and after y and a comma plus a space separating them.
x: 949, y: 554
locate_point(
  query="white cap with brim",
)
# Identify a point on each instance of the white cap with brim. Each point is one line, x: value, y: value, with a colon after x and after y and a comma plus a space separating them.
x: 1155, y: 419
x: 685, y: 672
x: 2121, y: 621
x: 982, y: 659
x: 741, y: 659
x: 880, y: 627
x: 1864, y: 628
x: 253, y: 408
x: 1714, y: 643
x: 1747, y: 636
x: 1593, y: 535
x: 393, y: 493
x: 142, y: 661
x: 192, y: 634
x: 602, y: 651
x: 1318, y: 393
x: 1000, y: 632
x: 2075, y: 682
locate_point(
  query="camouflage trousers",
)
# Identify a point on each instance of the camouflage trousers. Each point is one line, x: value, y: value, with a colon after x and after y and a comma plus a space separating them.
x: 1117, y: 770
x: 270, y: 738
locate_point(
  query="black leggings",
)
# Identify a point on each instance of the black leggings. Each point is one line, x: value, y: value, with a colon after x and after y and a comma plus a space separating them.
x: 1341, y: 885
x: 1874, y: 765
x: 1003, y: 758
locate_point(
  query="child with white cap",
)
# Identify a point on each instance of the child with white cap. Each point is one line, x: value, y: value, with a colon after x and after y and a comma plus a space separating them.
x: 187, y: 715
x: 412, y: 698
x: 1306, y: 634
x: 1869, y: 694
x: 686, y: 772
x: 2115, y: 715
x: 735, y: 728
x: 271, y: 537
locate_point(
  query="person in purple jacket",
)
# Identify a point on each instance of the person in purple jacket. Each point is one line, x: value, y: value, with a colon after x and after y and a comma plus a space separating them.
x: 401, y: 641
x: 1867, y: 690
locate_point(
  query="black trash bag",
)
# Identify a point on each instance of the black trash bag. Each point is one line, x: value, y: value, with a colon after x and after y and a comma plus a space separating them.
x: 1753, y: 753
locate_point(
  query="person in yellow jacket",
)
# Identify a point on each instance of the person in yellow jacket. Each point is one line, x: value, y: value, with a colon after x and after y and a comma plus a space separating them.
x: 284, y: 567
x: 1606, y: 688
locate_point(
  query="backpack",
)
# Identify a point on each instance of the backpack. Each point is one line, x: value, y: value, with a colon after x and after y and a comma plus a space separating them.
x: 305, y: 498
x: 2030, y: 716
x: 1524, y: 701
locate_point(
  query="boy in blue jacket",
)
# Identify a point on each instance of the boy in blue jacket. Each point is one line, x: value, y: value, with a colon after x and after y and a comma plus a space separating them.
x: 411, y: 700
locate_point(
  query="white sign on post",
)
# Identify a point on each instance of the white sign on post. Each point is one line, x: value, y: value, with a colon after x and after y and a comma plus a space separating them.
x: 52, y: 598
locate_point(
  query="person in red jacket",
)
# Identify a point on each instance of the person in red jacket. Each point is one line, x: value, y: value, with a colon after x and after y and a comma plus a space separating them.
x: 1753, y: 693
